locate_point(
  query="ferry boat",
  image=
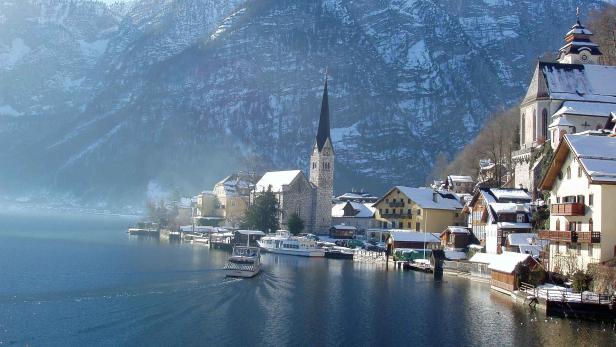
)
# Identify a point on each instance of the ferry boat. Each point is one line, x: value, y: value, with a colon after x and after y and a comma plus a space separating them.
x: 283, y: 243
x: 244, y: 262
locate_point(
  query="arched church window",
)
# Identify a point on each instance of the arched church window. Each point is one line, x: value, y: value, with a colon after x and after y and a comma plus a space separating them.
x: 523, y: 129
x: 534, y: 125
x: 544, y: 123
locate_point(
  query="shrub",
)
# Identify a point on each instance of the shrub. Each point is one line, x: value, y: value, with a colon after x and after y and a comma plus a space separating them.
x: 580, y: 281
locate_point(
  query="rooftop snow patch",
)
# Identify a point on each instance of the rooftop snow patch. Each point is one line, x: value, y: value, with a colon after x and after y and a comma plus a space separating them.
x: 425, y: 198
x: 362, y: 210
x: 276, y: 180
x: 580, y: 82
x: 507, y: 261
x: 597, y: 154
x: 465, y: 179
x: 586, y: 108
x: 518, y: 194
x: 414, y: 236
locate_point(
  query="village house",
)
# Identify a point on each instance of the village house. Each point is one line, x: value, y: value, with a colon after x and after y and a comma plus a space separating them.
x: 404, y: 239
x: 233, y: 197
x: 418, y: 209
x: 495, y: 213
x: 504, y: 270
x: 310, y: 198
x: 459, y: 184
x: 573, y: 94
x: 356, y: 214
x: 342, y: 232
x: 456, y: 238
x: 581, y: 180
x: 357, y: 196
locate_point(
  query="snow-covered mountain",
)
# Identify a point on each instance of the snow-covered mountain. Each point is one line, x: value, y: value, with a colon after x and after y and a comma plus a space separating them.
x: 103, y: 101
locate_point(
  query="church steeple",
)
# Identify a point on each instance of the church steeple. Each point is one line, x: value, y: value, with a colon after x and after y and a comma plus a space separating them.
x: 323, y: 132
x: 579, y: 48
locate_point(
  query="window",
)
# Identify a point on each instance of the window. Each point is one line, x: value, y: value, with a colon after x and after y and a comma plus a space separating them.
x: 417, y: 226
x: 380, y: 211
x: 579, y: 226
x: 558, y: 225
x: 409, y: 201
x: 544, y: 123
x: 590, y: 199
x: 387, y: 200
x: 523, y: 130
x: 419, y: 212
x: 580, y: 199
x: 568, y: 172
x: 580, y: 171
x: 520, y: 218
x: 409, y: 212
x: 386, y: 211
x: 314, y: 164
x: 558, y: 199
x: 409, y: 225
x: 590, y: 225
x: 534, y: 125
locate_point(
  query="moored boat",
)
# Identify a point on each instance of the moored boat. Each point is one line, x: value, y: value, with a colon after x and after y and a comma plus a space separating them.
x: 283, y: 243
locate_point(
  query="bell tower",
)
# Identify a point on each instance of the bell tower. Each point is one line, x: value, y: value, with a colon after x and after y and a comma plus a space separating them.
x: 322, y: 169
x: 579, y: 48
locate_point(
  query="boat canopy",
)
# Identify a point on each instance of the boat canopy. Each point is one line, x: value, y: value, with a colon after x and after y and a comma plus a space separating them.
x: 251, y: 232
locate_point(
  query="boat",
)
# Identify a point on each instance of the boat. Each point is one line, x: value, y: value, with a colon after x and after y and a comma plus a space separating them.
x: 337, y: 252
x: 245, y: 261
x: 283, y: 243
x: 144, y: 229
x: 201, y: 239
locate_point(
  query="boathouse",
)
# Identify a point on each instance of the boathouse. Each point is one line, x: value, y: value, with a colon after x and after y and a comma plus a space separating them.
x: 414, y: 240
x: 504, y: 269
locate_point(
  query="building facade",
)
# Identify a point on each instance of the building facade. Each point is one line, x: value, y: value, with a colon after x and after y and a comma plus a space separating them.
x: 418, y: 209
x: 581, y: 180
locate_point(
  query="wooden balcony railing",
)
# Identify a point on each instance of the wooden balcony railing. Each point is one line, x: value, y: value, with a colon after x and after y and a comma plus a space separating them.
x: 568, y: 209
x: 571, y: 236
x: 396, y: 204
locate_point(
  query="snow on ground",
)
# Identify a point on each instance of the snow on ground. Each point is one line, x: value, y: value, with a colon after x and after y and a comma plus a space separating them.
x: 8, y: 110
x: 11, y: 55
x: 94, y: 49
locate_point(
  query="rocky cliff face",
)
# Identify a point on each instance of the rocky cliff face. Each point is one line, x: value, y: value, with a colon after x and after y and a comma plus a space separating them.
x: 102, y: 102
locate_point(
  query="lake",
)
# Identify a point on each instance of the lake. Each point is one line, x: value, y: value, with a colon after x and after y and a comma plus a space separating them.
x: 81, y: 280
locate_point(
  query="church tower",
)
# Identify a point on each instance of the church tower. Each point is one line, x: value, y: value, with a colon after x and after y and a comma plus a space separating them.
x: 579, y: 48
x: 322, y: 170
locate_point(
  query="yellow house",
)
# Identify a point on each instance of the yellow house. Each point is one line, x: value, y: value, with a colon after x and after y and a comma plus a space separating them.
x: 233, y: 197
x: 581, y: 180
x: 418, y: 209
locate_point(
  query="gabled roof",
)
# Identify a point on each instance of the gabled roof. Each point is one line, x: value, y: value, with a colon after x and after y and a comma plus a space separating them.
x: 575, y: 82
x: 456, y: 178
x: 597, y: 154
x: 424, y: 197
x: 507, y: 261
x: 277, y: 179
x: 363, y: 210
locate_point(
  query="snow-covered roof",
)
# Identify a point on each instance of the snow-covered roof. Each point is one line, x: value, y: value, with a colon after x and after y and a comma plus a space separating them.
x: 560, y: 121
x: 597, y: 154
x: 503, y: 193
x: 519, y: 239
x: 512, y: 225
x: 455, y: 255
x: 484, y: 258
x: 509, y: 207
x: 236, y: 184
x: 414, y: 236
x: 277, y: 179
x: 579, y: 30
x: 464, y: 179
x: 363, y: 210
x: 344, y: 227
x: 357, y: 196
x: 251, y: 232
x: 586, y: 108
x: 578, y: 82
x: 457, y: 230
x: 424, y: 197
x: 507, y: 261
x: 533, y: 250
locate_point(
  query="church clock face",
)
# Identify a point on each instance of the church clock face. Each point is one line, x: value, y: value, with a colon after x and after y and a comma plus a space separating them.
x: 584, y: 57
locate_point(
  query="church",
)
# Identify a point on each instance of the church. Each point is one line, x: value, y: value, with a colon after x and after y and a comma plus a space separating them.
x: 310, y: 197
x: 574, y: 94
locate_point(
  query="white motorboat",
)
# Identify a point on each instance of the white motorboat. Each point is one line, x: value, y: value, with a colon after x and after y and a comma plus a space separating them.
x: 283, y: 243
x: 244, y: 262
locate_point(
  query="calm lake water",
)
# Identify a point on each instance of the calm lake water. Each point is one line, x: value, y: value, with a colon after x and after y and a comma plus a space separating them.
x: 81, y: 280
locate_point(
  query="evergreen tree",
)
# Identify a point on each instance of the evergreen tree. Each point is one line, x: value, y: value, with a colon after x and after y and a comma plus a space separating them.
x: 263, y: 213
x: 296, y: 224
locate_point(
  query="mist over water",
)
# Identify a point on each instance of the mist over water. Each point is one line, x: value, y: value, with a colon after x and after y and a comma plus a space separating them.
x: 81, y: 280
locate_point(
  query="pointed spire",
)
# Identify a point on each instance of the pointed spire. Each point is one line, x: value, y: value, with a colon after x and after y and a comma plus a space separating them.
x: 577, y: 15
x: 323, y: 132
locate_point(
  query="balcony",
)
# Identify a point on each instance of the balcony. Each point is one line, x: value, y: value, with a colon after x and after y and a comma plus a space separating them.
x: 396, y: 204
x: 568, y: 209
x: 571, y: 236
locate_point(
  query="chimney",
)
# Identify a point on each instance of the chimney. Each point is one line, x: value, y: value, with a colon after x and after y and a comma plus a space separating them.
x: 435, y: 196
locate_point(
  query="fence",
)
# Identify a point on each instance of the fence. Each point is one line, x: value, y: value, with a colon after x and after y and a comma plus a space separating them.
x: 475, y: 269
x: 563, y: 295
x: 369, y: 256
